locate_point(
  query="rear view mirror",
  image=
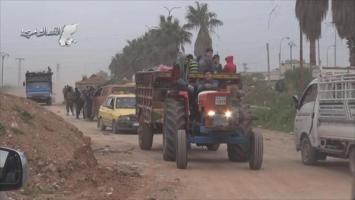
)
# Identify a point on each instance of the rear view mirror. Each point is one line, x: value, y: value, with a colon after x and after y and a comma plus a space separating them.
x: 13, y: 169
x: 295, y: 100
x: 24, y: 84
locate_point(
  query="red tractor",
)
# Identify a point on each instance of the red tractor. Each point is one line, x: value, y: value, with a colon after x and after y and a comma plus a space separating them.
x: 205, y: 110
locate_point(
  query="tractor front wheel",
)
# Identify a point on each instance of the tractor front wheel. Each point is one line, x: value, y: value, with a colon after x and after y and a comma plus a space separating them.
x: 256, y: 151
x: 181, y: 149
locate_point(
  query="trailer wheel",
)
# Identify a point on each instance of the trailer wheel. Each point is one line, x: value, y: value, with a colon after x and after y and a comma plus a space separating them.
x: 256, y: 151
x: 181, y: 149
x: 145, y: 137
x: 101, y: 124
x: 236, y: 153
x: 308, y: 153
x: 213, y: 147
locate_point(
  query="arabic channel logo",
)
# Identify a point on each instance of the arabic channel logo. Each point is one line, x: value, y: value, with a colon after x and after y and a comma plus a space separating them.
x: 65, y: 34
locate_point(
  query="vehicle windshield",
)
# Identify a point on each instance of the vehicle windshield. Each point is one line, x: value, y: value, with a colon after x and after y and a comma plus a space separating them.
x: 117, y: 90
x: 38, y: 84
x: 126, y: 102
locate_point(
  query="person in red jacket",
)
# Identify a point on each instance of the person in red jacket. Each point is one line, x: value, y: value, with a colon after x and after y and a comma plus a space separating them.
x: 230, y: 67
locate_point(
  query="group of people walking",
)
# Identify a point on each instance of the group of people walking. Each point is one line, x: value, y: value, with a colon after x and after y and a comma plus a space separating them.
x: 80, y: 101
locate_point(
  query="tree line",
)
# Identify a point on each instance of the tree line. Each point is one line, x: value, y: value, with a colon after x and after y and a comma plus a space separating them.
x: 162, y: 44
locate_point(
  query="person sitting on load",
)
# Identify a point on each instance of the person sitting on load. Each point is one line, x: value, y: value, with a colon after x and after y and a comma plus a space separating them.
x: 191, y: 64
x: 217, y: 67
x: 230, y: 67
x: 205, y: 63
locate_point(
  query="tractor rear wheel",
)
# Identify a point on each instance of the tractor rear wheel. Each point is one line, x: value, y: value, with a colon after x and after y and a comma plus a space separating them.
x: 168, y: 142
x: 256, y: 151
x: 236, y: 153
x: 181, y: 149
x: 212, y: 147
x: 145, y: 136
x: 174, y: 120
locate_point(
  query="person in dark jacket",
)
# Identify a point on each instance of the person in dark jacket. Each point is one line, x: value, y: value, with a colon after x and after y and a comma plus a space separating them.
x: 78, y: 102
x: 217, y: 67
x: 69, y: 100
x: 205, y: 63
x: 230, y: 67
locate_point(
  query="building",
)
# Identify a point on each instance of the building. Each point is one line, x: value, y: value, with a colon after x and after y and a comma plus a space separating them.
x: 293, y: 64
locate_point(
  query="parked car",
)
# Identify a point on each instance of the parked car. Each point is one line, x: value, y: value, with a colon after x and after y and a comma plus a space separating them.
x: 103, y: 92
x: 325, y: 119
x: 13, y: 170
x: 118, y: 112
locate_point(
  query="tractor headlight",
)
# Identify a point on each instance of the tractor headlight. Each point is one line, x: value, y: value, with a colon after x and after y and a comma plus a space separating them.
x: 211, y: 113
x: 228, y: 114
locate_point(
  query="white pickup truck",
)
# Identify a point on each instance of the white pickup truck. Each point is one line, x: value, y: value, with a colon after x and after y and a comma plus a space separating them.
x: 325, y: 119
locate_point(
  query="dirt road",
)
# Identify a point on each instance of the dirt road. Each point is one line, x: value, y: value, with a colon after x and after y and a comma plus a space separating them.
x: 211, y: 176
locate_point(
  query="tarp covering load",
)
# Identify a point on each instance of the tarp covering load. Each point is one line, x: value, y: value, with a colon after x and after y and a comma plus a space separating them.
x: 93, y: 81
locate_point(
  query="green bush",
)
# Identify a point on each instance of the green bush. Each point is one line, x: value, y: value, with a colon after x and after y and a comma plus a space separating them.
x: 24, y: 115
x: 279, y: 113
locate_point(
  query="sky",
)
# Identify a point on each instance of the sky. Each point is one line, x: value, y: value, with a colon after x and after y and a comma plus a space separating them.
x: 105, y: 26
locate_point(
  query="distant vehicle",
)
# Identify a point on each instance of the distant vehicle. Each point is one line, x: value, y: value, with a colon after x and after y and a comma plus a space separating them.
x: 103, y: 92
x: 13, y: 170
x: 118, y: 112
x: 39, y: 86
x: 325, y: 119
x: 206, y: 110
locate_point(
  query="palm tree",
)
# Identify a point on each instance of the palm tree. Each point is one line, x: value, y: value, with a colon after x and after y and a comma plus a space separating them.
x: 201, y: 18
x: 172, y: 38
x: 310, y: 14
x: 344, y: 18
x: 157, y: 46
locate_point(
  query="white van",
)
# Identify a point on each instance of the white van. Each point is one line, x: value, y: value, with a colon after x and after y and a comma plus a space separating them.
x: 325, y: 119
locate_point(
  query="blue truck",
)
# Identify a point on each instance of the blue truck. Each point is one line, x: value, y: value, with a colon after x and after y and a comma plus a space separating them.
x: 39, y: 86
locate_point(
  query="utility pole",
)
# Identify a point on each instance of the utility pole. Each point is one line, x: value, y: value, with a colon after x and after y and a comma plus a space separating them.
x: 268, y: 62
x: 319, y: 60
x: 301, y: 62
x: 245, y: 67
x: 335, y: 47
x: 19, y: 70
x: 57, y: 85
x: 282, y: 39
x: 3, y: 56
x: 291, y: 44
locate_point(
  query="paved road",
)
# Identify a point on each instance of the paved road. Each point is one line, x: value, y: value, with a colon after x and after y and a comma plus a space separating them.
x: 211, y: 176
